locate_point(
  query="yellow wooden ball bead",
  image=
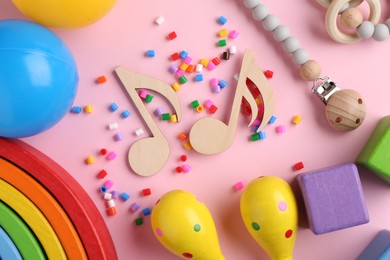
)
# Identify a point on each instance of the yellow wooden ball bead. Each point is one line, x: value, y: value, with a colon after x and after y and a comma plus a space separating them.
x: 310, y: 70
x: 351, y: 18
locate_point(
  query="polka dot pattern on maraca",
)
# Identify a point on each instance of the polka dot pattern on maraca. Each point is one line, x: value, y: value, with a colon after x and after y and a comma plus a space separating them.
x: 269, y: 211
x: 159, y: 232
x: 197, y: 227
x: 282, y: 206
x: 255, y: 226
x: 288, y: 233
x: 183, y: 225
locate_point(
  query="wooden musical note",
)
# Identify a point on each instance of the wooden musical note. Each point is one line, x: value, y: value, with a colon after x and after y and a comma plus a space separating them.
x: 210, y: 136
x: 147, y: 156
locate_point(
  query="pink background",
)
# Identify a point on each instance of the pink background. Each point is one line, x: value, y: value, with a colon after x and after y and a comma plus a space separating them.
x: 123, y: 36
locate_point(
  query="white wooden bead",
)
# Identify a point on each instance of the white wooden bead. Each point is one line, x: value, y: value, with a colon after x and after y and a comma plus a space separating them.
x: 271, y: 22
x: 251, y: 3
x: 300, y: 56
x: 365, y: 30
x: 381, y: 32
x: 260, y: 12
x: 281, y: 33
x: 291, y: 44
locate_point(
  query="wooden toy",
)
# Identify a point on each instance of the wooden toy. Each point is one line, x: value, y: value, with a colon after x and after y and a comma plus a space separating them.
x: 8, y: 249
x: 345, y: 109
x: 333, y: 198
x: 326, y: 3
x: 211, y: 136
x: 34, y: 219
x: 375, y: 154
x: 79, y: 207
x: 54, y: 213
x: 147, y: 156
x: 352, y: 20
x: 269, y: 211
x: 20, y: 233
x: 379, y: 247
x: 185, y: 226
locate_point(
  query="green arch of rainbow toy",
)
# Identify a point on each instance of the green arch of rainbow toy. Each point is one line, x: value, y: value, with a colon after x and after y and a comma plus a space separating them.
x: 59, y: 208
x: 8, y: 249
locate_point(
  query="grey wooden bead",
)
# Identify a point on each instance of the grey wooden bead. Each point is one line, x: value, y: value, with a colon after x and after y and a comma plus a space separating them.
x: 381, y: 32
x: 365, y: 30
x: 291, y: 44
x: 344, y: 7
x: 260, y: 12
x: 281, y: 33
x: 300, y: 56
x: 251, y: 3
x: 271, y: 22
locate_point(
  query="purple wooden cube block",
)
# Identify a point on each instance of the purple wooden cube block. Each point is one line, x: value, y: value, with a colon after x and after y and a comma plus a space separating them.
x: 333, y: 198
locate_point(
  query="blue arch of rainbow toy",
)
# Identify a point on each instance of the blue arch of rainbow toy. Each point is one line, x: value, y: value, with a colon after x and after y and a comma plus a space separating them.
x: 8, y: 249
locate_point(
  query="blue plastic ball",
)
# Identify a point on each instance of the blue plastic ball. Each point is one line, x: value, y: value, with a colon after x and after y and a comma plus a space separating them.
x: 38, y: 79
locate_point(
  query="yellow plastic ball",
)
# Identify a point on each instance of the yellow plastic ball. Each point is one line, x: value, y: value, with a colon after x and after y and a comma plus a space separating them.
x: 64, y: 13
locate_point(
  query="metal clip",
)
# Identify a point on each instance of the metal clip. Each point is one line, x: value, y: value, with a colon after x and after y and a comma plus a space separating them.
x: 324, y: 88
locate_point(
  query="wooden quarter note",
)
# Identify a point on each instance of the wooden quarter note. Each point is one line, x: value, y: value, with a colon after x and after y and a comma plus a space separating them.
x: 147, y: 156
x: 211, y: 136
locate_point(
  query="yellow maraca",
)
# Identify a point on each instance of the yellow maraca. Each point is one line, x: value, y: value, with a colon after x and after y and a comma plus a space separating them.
x: 270, y: 214
x: 185, y: 226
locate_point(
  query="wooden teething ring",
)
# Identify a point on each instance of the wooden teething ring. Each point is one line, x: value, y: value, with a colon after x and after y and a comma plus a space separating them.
x: 326, y: 3
x: 331, y: 20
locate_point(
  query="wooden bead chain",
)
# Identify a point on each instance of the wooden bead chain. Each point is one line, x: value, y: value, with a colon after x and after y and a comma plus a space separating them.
x: 352, y: 18
x: 345, y: 109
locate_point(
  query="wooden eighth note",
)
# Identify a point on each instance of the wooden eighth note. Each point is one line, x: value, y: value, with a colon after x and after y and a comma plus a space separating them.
x: 147, y: 156
x: 211, y: 136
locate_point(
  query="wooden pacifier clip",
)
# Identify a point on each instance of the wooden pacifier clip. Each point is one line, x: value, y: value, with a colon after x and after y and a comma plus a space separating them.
x: 345, y: 109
